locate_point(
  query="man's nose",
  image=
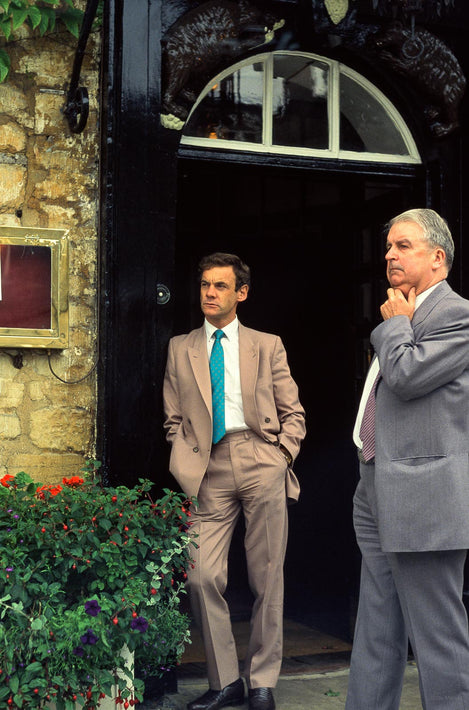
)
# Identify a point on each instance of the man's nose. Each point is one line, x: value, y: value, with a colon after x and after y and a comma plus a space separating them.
x: 211, y: 291
x: 390, y: 254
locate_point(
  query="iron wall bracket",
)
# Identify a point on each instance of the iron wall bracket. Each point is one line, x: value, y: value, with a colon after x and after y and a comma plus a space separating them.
x: 77, y: 107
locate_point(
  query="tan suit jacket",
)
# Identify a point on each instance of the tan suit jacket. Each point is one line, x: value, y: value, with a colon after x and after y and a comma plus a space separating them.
x: 270, y: 401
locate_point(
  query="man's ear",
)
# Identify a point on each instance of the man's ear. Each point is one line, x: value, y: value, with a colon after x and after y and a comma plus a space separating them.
x: 439, y: 259
x: 242, y: 292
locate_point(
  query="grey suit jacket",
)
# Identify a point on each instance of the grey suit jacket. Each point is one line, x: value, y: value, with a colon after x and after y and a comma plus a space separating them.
x: 422, y: 426
x: 270, y: 402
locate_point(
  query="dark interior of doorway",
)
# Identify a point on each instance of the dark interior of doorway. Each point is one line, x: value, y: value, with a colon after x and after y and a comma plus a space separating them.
x: 314, y: 242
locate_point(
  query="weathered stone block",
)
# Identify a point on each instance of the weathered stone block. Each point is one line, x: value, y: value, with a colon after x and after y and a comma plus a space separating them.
x: 56, y: 393
x: 61, y: 428
x: 11, y: 394
x: 46, y: 467
x: 13, y: 181
x: 13, y: 101
x: 47, y: 65
x: 10, y: 426
x: 12, y: 138
x: 48, y: 117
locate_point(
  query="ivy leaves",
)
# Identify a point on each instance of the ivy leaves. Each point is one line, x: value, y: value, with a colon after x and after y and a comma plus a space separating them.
x: 4, y: 65
x: 39, y: 15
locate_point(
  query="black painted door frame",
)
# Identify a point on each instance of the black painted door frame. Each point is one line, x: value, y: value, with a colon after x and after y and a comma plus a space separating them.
x: 138, y: 227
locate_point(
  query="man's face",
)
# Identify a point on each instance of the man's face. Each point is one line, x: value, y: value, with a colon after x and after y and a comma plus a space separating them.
x: 411, y: 260
x: 218, y: 296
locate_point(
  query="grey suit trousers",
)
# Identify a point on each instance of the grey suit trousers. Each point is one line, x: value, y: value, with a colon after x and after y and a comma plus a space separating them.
x: 245, y: 474
x: 406, y: 595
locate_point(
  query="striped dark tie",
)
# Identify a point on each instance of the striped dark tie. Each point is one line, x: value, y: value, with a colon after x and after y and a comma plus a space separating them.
x: 367, y: 428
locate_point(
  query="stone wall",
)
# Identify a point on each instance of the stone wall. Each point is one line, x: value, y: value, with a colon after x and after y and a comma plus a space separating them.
x: 49, y: 178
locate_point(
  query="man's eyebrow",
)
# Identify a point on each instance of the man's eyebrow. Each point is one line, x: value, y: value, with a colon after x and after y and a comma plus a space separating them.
x: 403, y: 240
x: 215, y: 283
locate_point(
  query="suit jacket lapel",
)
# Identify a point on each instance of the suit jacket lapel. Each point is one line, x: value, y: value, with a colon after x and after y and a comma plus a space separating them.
x: 442, y: 290
x: 198, y: 359
x: 248, y: 366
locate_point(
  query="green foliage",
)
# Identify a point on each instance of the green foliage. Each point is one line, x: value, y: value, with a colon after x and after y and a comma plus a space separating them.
x: 39, y: 15
x: 86, y: 571
x: 4, y: 65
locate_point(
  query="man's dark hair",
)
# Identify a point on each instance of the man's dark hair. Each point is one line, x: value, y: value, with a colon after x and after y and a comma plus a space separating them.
x: 241, y: 270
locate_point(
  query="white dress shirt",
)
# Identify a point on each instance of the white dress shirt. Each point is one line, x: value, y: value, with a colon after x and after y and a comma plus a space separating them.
x: 234, y: 414
x: 371, y: 376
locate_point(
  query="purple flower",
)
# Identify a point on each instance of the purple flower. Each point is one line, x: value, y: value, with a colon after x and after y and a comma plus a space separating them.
x: 89, y: 638
x: 92, y: 607
x: 78, y: 651
x: 139, y: 624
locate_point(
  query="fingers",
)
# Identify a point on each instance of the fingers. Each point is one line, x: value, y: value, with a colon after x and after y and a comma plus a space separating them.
x: 396, y: 293
x: 397, y: 304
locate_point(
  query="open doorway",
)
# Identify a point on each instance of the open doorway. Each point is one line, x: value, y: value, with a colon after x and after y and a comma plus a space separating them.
x: 315, y: 246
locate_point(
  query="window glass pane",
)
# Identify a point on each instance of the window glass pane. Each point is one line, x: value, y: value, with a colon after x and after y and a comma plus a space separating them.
x: 365, y: 125
x: 300, y: 115
x: 232, y: 108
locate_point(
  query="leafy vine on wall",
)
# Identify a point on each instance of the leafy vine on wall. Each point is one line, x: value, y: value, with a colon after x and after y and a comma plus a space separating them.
x: 40, y: 16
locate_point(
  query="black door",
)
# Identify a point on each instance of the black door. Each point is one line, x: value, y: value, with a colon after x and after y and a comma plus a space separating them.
x: 314, y: 244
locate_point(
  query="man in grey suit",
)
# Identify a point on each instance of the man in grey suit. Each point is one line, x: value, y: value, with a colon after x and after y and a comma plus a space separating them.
x: 234, y: 451
x: 411, y: 506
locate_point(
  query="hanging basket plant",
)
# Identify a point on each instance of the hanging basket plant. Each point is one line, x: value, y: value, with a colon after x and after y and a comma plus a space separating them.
x: 88, y: 571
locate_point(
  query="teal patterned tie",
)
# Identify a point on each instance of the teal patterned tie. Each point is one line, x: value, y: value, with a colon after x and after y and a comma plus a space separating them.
x: 217, y: 373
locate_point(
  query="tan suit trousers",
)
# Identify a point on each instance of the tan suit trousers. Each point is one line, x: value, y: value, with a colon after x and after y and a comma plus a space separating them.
x: 246, y: 474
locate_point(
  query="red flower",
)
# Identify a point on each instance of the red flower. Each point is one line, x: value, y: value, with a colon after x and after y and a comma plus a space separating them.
x: 73, y: 482
x: 5, y: 481
x: 52, y: 490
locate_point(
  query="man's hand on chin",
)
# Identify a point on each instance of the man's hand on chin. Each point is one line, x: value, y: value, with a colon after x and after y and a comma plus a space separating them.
x: 398, y: 305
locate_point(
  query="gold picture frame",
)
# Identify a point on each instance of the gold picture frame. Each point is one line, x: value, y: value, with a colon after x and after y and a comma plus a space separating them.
x: 34, y: 308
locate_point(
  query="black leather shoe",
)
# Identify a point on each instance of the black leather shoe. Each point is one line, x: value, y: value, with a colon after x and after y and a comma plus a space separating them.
x: 232, y: 694
x: 261, y: 699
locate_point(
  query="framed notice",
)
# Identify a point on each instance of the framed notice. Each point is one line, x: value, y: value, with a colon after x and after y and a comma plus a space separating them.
x: 33, y: 288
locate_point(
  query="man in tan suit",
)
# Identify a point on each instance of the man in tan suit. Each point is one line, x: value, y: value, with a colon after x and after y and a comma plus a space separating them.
x: 248, y: 469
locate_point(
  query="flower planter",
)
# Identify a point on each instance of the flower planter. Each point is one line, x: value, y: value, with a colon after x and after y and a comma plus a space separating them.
x: 85, y: 571
x: 106, y: 704
x: 109, y: 702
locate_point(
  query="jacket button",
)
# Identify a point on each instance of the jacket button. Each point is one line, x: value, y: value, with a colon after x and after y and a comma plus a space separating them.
x: 267, y: 420
x: 195, y: 449
x: 276, y: 443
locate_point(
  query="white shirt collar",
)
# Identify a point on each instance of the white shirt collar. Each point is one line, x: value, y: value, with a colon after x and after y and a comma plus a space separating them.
x: 422, y: 296
x: 230, y: 330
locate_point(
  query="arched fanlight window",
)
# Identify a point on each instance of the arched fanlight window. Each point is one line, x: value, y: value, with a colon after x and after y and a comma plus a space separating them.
x: 303, y: 104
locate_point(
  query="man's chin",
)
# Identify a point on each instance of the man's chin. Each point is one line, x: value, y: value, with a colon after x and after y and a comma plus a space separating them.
x: 212, y: 315
x: 403, y: 288
x: 397, y: 283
